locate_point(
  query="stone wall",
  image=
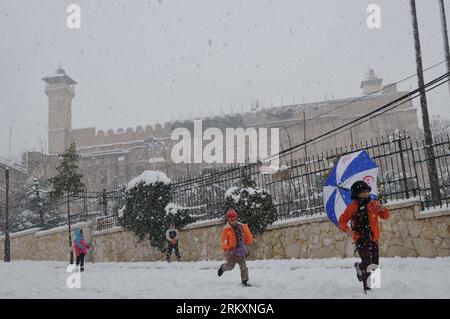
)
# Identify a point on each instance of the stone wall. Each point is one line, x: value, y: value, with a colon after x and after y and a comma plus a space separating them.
x: 34, y: 244
x: 408, y: 233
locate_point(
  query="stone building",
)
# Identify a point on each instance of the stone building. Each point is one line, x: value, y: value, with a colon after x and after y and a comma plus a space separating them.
x: 113, y: 157
x: 18, y: 177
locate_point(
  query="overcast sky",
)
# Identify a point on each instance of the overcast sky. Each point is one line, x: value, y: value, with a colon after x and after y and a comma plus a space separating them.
x: 145, y: 62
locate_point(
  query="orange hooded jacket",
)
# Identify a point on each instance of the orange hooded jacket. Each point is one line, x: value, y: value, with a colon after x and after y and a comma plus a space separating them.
x: 228, y: 237
x: 374, y: 213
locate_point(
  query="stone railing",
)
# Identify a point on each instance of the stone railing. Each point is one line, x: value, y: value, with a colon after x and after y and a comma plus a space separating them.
x: 409, y: 232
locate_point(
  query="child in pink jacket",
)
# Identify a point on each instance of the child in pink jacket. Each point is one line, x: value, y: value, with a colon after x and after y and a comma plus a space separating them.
x: 80, y: 247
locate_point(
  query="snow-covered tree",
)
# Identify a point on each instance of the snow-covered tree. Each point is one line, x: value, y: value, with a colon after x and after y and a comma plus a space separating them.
x: 253, y: 205
x: 35, y: 209
x: 439, y: 125
x: 67, y: 181
x: 148, y: 211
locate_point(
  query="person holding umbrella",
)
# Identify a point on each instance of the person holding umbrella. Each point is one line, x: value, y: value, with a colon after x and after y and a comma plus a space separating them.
x: 363, y: 213
x: 349, y: 194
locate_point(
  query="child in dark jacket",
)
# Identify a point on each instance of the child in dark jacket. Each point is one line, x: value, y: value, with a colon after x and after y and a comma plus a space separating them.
x: 363, y: 213
x: 172, y: 242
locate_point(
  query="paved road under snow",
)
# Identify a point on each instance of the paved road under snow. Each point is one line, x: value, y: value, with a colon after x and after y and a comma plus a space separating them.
x: 294, y: 278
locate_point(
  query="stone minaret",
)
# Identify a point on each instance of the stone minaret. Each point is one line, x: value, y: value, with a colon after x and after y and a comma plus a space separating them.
x: 371, y: 84
x: 60, y: 91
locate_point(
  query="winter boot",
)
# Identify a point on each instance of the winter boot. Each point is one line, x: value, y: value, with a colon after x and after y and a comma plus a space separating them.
x: 359, y: 273
x: 81, y: 268
x: 220, y: 271
x: 178, y: 258
x: 246, y: 284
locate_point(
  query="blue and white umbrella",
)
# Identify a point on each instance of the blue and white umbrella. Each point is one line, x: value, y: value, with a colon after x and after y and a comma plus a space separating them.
x: 357, y: 166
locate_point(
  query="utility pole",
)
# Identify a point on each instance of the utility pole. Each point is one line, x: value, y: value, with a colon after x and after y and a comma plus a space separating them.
x: 10, y: 143
x: 431, y: 164
x: 445, y: 36
x: 7, y: 257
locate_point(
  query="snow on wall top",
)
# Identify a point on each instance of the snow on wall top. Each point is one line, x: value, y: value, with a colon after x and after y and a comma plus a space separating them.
x: 148, y: 178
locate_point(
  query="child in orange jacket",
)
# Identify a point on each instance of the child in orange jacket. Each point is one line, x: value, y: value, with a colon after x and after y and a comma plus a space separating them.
x: 235, y: 239
x: 363, y: 215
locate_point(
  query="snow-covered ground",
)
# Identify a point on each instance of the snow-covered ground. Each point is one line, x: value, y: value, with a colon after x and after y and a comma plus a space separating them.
x: 294, y: 278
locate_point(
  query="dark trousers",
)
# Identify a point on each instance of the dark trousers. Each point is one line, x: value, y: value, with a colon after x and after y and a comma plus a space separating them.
x: 171, y: 247
x: 369, y: 253
x: 232, y: 261
x: 80, y: 261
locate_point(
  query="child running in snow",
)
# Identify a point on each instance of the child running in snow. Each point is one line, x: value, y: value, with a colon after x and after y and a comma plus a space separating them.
x: 363, y: 215
x: 172, y: 242
x: 235, y: 239
x: 80, y: 247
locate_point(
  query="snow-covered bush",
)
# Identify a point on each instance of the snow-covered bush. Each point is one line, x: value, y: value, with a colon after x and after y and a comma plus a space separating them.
x: 148, y: 212
x: 253, y: 205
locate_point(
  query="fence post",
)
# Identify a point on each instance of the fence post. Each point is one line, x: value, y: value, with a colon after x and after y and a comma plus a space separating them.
x: 402, y: 160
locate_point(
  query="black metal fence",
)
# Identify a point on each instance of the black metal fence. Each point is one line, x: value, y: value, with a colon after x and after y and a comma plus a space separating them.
x: 26, y: 212
x: 296, y: 189
x: 441, y: 150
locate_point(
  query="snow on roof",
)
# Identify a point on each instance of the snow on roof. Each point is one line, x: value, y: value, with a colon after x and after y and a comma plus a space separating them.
x: 12, y: 165
x: 104, y: 153
x: 148, y: 177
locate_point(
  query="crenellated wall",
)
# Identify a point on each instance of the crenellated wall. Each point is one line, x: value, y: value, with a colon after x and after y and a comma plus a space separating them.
x: 87, y: 137
x: 408, y: 233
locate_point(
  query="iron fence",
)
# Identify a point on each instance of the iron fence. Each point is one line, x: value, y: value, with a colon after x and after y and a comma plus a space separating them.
x: 296, y: 189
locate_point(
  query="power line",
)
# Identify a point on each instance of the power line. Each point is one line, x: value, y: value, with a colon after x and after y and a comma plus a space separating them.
x: 286, y: 151
x: 397, y: 100
x: 285, y: 129
x: 387, y: 110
